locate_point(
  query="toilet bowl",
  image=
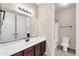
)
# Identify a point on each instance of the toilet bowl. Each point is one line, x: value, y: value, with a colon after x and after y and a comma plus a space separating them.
x: 65, y: 43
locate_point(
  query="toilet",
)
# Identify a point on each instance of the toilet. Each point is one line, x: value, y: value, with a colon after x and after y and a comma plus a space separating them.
x: 65, y: 43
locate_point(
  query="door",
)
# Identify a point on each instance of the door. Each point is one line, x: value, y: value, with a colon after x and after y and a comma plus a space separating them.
x: 21, y: 27
x: 8, y: 27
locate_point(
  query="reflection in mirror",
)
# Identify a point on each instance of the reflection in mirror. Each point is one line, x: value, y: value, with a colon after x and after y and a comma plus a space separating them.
x: 2, y: 16
x: 13, y: 27
x: 7, y: 28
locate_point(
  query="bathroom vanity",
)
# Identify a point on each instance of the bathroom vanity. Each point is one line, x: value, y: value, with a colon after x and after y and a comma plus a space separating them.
x: 35, y: 47
x: 36, y: 50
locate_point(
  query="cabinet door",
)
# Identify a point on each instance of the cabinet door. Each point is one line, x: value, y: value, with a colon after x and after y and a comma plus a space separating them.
x: 21, y: 27
x: 8, y: 27
x: 43, y: 47
x: 18, y: 54
x: 38, y: 49
x: 29, y: 51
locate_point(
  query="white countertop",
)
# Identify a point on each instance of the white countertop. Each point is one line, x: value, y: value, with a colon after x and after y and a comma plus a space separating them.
x: 8, y: 49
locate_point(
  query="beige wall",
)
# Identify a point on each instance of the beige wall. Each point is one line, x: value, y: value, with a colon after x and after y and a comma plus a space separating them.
x: 67, y: 17
x: 77, y: 29
x: 46, y: 23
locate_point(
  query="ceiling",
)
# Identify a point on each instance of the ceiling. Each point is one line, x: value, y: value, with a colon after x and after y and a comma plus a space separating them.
x: 61, y: 6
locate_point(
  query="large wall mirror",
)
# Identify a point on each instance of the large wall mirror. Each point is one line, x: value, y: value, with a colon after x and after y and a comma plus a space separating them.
x: 14, y: 27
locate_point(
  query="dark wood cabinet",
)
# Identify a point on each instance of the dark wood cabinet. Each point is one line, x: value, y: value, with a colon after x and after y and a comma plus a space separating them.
x: 40, y: 49
x: 43, y: 49
x: 29, y: 51
x: 18, y: 54
x: 36, y: 50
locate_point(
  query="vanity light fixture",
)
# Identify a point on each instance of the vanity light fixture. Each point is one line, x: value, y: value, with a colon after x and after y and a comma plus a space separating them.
x: 24, y: 10
x: 64, y: 4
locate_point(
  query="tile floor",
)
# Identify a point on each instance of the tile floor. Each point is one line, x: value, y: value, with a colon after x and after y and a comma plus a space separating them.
x: 59, y: 52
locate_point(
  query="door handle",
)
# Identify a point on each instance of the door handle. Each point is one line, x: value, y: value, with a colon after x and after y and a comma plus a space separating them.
x: 24, y: 37
x: 15, y: 34
x: 1, y: 23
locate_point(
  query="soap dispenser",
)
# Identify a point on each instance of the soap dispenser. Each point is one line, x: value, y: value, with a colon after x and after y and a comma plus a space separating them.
x: 28, y: 37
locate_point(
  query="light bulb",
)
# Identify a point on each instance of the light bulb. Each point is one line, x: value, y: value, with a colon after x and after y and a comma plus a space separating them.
x: 63, y: 4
